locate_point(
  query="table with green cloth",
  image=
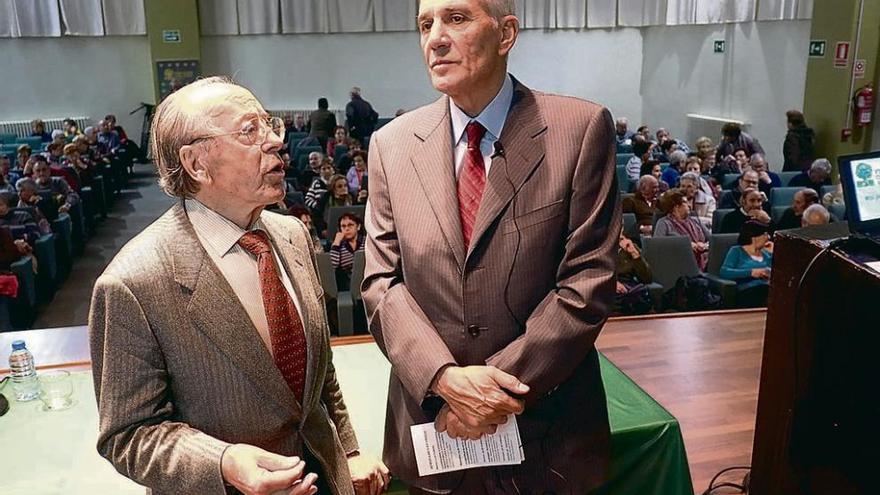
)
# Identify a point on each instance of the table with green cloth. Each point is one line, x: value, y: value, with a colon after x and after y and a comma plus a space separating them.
x: 43, y: 453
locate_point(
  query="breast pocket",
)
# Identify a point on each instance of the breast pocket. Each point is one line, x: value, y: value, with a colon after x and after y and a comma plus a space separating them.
x: 534, y: 217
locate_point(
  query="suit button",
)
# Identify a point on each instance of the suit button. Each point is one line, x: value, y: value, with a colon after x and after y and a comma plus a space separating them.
x: 474, y: 330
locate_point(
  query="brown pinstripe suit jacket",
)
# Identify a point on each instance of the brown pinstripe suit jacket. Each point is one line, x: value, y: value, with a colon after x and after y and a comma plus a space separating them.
x: 180, y: 371
x: 529, y: 295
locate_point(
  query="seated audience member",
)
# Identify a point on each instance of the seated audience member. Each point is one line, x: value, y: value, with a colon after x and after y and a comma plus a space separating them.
x: 305, y: 177
x: 357, y: 176
x: 299, y: 124
x: 54, y: 153
x: 798, y: 149
x: 28, y: 198
x: 645, y: 132
x: 834, y: 197
x: 340, y: 138
x: 652, y: 167
x: 349, y: 239
x: 622, y: 133
x: 818, y: 175
x: 337, y: 195
x: 318, y: 188
x: 767, y: 180
x: 733, y: 138
x: 5, y: 185
x: 751, y: 206
x: 705, y: 147
x: 695, y: 164
x: 732, y: 198
x: 679, y: 222
x: 304, y: 216
x: 61, y: 192
x: 343, y: 163
x: 23, y: 154
x: 641, y: 152
x: 815, y: 214
x: 71, y: 128
x: 667, y: 147
x: 108, y: 137
x: 675, y: 168
x: 792, y: 217
x: 10, y: 175
x: 643, y: 203
x: 10, y: 251
x: 131, y: 150
x: 38, y: 129
x: 741, y: 161
x: 20, y: 218
x: 702, y: 204
x: 76, y: 166
x: 97, y: 151
x: 633, y: 273
x: 748, y: 264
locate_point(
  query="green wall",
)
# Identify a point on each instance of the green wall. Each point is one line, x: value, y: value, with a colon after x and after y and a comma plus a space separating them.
x: 181, y: 15
x: 827, y: 94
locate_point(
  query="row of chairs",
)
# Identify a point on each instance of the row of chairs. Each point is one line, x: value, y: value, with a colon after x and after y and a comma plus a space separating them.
x: 350, y: 302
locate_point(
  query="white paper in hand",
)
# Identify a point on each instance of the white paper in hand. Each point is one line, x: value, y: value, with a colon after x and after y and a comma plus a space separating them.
x: 438, y: 453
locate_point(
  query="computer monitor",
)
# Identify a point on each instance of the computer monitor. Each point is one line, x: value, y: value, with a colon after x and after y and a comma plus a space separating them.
x: 860, y: 180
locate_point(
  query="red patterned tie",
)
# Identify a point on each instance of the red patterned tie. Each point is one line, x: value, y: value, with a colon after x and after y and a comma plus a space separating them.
x: 471, y: 181
x: 285, y: 325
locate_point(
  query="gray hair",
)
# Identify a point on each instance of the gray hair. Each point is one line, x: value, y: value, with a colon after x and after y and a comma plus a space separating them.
x: 499, y: 8
x: 815, y: 214
x: 622, y: 121
x: 174, y: 126
x: 644, y: 180
x: 355, y: 90
x: 755, y: 157
x: 690, y: 176
x: 677, y: 157
x: 25, y: 182
x: 822, y: 164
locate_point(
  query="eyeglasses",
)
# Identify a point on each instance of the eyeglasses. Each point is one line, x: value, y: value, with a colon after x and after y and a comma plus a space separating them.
x: 254, y: 132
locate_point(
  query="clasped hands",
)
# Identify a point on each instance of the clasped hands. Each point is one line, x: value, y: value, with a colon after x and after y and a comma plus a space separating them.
x: 478, y: 400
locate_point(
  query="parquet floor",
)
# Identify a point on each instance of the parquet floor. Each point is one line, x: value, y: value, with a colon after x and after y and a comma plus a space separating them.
x: 705, y: 370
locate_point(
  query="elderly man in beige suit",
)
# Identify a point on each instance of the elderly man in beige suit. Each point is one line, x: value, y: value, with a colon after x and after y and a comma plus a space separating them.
x: 492, y: 224
x: 210, y: 347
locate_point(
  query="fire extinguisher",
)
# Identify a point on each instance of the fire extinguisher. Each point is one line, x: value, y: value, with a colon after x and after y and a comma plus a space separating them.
x: 864, y: 104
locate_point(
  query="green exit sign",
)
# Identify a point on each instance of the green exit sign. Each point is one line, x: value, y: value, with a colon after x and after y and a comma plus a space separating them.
x: 817, y: 48
x: 719, y: 45
x: 171, y: 36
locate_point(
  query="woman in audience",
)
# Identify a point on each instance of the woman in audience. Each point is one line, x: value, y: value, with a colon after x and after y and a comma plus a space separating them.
x: 303, y: 214
x: 38, y: 129
x: 678, y: 221
x: 337, y: 195
x: 349, y: 239
x: 652, y: 167
x: 748, y: 264
x: 340, y: 138
x: 633, y: 273
x: 702, y: 204
x: 71, y: 129
x: 705, y: 147
x: 357, y: 176
x: 695, y: 164
x: 319, y: 185
x: 5, y: 185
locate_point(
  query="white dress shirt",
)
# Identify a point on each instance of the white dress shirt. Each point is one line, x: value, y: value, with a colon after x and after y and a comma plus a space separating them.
x: 492, y: 118
x: 219, y: 236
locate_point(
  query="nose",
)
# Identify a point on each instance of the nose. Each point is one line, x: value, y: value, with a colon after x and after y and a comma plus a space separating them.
x: 273, y: 142
x: 437, y: 37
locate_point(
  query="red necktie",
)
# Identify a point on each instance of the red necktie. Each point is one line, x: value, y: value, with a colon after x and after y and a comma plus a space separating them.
x: 285, y: 325
x: 471, y: 181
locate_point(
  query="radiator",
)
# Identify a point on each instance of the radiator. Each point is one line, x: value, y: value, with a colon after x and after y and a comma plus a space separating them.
x: 22, y: 128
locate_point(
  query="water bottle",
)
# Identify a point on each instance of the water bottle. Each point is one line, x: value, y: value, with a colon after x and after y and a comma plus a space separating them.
x: 25, y: 383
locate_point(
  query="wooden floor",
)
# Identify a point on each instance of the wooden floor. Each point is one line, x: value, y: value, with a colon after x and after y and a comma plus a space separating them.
x: 704, y: 369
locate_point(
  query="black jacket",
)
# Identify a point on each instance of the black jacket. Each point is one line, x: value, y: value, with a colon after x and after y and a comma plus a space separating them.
x: 798, y: 150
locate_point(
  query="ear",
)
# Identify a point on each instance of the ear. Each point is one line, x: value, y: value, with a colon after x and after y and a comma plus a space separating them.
x: 192, y: 160
x: 509, y: 33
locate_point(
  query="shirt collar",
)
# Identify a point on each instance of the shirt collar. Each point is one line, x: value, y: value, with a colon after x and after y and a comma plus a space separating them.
x: 219, y: 233
x: 492, y: 117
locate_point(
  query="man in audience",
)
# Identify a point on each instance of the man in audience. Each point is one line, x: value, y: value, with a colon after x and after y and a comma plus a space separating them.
x: 108, y: 137
x: 767, y: 179
x: 20, y: 218
x: 752, y: 207
x: 641, y: 151
x: 22, y: 154
x: 359, y: 116
x: 645, y: 132
x: 305, y: 178
x: 675, y: 168
x: 200, y: 327
x: 733, y: 137
x: 643, y: 204
x: 818, y: 175
x: 815, y: 214
x: 61, y: 192
x: 663, y: 135
x: 667, y: 147
x: 622, y: 133
x: 299, y: 124
x: 38, y: 129
x: 732, y: 198
x: 459, y: 316
x: 28, y: 197
x: 322, y: 122
x: 799, y: 149
x: 793, y: 215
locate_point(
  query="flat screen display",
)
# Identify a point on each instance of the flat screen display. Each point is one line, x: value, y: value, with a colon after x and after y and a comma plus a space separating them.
x: 866, y: 187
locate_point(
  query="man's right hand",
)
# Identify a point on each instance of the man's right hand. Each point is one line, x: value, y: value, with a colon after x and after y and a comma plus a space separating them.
x: 478, y: 395
x: 255, y: 471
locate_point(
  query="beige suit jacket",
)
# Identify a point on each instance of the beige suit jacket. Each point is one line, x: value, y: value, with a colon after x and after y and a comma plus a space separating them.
x: 529, y: 295
x: 180, y: 371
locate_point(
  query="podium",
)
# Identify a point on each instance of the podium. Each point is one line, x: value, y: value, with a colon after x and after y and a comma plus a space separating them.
x: 818, y: 418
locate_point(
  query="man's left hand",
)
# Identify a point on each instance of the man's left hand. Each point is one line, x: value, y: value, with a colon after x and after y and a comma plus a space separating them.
x: 447, y: 421
x: 368, y: 474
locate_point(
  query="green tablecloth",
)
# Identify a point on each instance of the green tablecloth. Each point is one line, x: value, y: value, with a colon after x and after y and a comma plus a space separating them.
x: 45, y: 453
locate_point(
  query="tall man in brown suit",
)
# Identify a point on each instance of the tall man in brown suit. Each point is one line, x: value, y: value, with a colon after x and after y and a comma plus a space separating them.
x: 492, y: 225
x: 209, y: 343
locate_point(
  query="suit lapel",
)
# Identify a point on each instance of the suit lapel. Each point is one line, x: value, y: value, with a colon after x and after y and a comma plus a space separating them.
x: 523, y: 152
x: 215, y: 310
x: 436, y: 171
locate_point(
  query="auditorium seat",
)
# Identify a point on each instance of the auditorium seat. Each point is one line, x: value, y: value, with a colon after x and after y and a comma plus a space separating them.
x: 62, y: 227
x: 776, y: 213
x: 783, y: 196
x: 631, y: 228
x: 719, y: 245
x: 785, y: 177
x: 47, y: 274
x: 23, y: 307
x: 671, y: 257
x: 622, y: 158
x: 7, y: 138
x: 728, y: 181
x: 827, y: 190
x: 344, y: 302
x: 718, y: 217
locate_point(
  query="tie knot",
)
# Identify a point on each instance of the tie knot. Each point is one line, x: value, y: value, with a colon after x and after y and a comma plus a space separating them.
x: 475, y: 132
x: 255, y: 242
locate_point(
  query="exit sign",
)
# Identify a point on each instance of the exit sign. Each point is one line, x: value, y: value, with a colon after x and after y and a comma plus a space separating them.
x: 817, y: 48
x: 171, y: 36
x: 719, y: 45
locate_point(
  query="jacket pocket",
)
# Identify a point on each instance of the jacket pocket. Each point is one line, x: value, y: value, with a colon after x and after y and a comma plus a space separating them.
x: 536, y: 216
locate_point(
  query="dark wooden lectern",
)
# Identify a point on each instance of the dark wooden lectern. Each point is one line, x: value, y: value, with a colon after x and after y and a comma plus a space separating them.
x: 818, y: 404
